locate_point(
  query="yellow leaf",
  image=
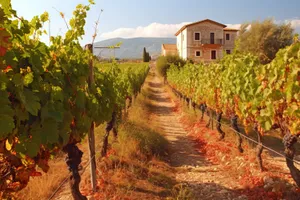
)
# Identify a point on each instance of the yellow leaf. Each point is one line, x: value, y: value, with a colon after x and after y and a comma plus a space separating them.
x: 8, y: 146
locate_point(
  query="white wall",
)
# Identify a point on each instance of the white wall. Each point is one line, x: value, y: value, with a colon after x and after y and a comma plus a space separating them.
x: 178, y: 40
x: 182, y: 44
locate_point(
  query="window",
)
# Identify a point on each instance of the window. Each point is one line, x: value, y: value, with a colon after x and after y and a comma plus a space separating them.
x: 212, y: 38
x: 197, y: 36
x: 228, y: 52
x: 198, y: 53
x: 227, y: 36
x: 213, y: 54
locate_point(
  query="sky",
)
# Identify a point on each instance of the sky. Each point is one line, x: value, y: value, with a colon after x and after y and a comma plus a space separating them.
x: 157, y: 18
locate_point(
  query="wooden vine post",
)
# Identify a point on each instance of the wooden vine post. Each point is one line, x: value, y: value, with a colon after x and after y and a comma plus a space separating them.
x: 91, y: 134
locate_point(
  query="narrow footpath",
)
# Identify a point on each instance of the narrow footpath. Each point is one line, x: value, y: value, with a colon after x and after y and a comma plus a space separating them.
x: 204, y: 179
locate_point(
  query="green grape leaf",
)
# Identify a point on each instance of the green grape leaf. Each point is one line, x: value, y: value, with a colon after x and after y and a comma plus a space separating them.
x: 267, y: 124
x: 49, y: 131
x: 17, y: 80
x: 20, y: 148
x: 21, y: 114
x: 57, y: 93
x: 6, y: 125
x: 32, y: 149
x: 44, y: 17
x: 6, y: 5
x: 64, y: 128
x: 6, y: 116
x: 3, y: 82
x: 28, y: 78
x: 30, y: 101
x: 289, y: 89
x: 80, y: 100
x: 36, y: 132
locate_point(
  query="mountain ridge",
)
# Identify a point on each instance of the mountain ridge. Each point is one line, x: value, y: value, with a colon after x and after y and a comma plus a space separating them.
x: 131, y: 48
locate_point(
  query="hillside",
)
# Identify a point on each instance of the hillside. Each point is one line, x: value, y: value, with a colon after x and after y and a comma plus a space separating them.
x: 132, y: 47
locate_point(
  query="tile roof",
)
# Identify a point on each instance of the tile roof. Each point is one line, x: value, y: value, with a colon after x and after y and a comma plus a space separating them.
x: 230, y: 29
x: 169, y: 46
x: 205, y: 20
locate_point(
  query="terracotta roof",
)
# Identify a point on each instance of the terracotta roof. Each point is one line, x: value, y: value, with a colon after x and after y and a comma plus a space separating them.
x: 169, y: 46
x: 230, y: 29
x: 205, y: 20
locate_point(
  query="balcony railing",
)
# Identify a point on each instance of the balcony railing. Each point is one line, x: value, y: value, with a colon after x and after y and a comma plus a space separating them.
x: 210, y: 41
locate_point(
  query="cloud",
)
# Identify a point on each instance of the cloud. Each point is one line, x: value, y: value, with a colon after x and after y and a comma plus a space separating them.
x: 168, y: 30
x: 152, y: 30
x: 295, y: 23
x: 235, y: 26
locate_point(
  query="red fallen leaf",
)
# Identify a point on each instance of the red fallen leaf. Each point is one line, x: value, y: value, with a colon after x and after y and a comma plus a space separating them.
x: 43, y: 164
x: 35, y: 173
x: 14, y: 185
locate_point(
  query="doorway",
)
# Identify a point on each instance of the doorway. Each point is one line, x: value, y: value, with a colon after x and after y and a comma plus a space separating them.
x: 213, y: 54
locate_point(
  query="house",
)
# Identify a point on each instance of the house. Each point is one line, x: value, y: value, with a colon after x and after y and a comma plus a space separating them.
x: 169, y: 49
x: 205, y: 40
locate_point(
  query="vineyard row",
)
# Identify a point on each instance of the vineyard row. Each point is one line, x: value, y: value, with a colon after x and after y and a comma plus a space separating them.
x: 265, y: 97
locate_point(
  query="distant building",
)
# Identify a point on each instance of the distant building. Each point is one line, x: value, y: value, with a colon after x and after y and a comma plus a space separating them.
x: 205, y: 40
x: 169, y: 49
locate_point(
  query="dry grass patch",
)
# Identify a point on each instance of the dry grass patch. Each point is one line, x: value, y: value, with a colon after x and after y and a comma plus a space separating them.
x: 42, y: 187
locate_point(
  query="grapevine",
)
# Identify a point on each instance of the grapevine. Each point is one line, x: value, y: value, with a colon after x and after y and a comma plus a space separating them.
x: 262, y: 96
x: 47, y: 105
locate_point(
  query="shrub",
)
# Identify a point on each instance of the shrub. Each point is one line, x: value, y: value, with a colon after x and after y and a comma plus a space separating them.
x: 163, y: 63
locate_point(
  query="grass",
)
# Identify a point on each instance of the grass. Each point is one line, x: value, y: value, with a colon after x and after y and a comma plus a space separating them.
x: 148, y: 141
x: 42, y: 187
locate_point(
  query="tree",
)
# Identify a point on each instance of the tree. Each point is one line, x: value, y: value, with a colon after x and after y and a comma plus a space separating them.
x: 264, y: 39
x: 146, y: 56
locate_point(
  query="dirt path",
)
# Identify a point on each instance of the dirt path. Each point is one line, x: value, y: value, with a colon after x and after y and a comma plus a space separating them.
x: 204, y: 179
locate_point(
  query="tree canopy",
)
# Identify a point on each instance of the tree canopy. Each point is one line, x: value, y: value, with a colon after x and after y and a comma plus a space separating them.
x: 264, y: 39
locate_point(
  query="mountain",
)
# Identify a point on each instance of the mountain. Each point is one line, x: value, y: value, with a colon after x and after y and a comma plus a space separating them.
x: 131, y: 48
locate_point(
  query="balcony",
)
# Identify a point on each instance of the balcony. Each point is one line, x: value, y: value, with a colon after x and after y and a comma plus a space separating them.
x: 211, y: 41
